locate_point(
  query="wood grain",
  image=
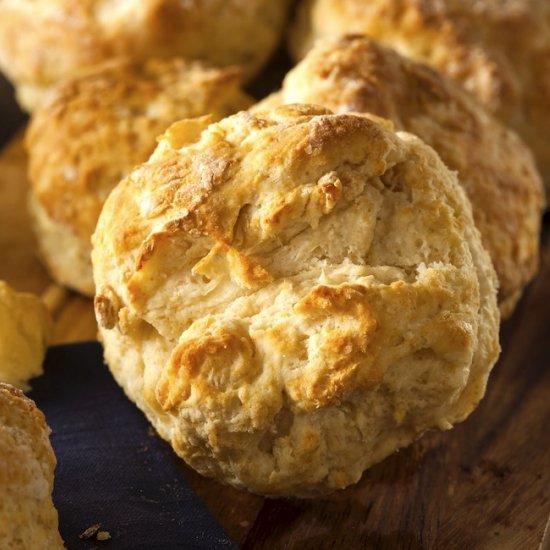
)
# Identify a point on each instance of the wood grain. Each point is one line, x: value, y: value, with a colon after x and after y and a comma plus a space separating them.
x: 484, y: 484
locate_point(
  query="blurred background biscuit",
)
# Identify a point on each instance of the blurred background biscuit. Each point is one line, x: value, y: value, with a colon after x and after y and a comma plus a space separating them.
x: 94, y: 130
x: 495, y: 167
x: 290, y: 296
x: 25, y: 331
x: 498, y: 49
x: 44, y: 41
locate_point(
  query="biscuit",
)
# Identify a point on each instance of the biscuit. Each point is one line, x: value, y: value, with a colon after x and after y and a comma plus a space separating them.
x: 44, y: 41
x: 498, y: 49
x: 25, y: 331
x: 94, y: 129
x: 28, y: 518
x: 494, y: 166
x: 290, y: 296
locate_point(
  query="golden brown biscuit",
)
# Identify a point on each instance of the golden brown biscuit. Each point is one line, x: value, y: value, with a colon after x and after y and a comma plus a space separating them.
x: 25, y: 331
x: 28, y: 518
x: 495, y: 168
x: 43, y: 41
x: 293, y: 295
x: 498, y: 49
x: 94, y: 130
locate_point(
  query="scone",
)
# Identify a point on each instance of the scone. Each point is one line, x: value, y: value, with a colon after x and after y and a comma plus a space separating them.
x: 25, y: 331
x: 494, y: 166
x: 498, y: 49
x: 28, y: 518
x: 94, y: 130
x: 291, y: 296
x: 44, y: 41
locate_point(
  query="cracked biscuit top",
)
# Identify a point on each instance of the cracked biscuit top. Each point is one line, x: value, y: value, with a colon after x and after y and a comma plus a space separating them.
x: 292, y: 295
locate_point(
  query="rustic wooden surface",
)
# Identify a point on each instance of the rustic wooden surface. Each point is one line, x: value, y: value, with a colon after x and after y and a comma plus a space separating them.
x: 485, y: 484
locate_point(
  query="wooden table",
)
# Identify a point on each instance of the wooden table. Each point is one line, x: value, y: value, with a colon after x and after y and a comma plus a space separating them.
x: 485, y: 484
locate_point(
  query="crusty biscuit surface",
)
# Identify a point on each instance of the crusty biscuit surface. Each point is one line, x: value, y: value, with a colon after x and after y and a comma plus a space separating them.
x: 28, y: 518
x: 94, y: 129
x: 291, y: 296
x: 25, y: 331
x: 44, y: 41
x: 354, y: 73
x: 498, y: 49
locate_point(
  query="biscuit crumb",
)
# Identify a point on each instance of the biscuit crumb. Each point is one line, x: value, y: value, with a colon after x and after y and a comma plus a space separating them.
x: 103, y: 535
x: 90, y: 532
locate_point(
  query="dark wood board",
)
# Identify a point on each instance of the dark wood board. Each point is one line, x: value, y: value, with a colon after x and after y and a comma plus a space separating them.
x: 485, y: 484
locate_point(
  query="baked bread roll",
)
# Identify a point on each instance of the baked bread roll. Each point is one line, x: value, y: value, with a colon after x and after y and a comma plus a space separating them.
x: 44, y: 41
x: 25, y: 331
x: 291, y: 296
x: 498, y: 49
x: 494, y: 166
x: 28, y: 518
x: 94, y: 130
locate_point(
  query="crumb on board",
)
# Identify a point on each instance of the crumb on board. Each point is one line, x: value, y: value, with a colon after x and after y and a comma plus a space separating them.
x: 94, y: 532
x: 90, y: 532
